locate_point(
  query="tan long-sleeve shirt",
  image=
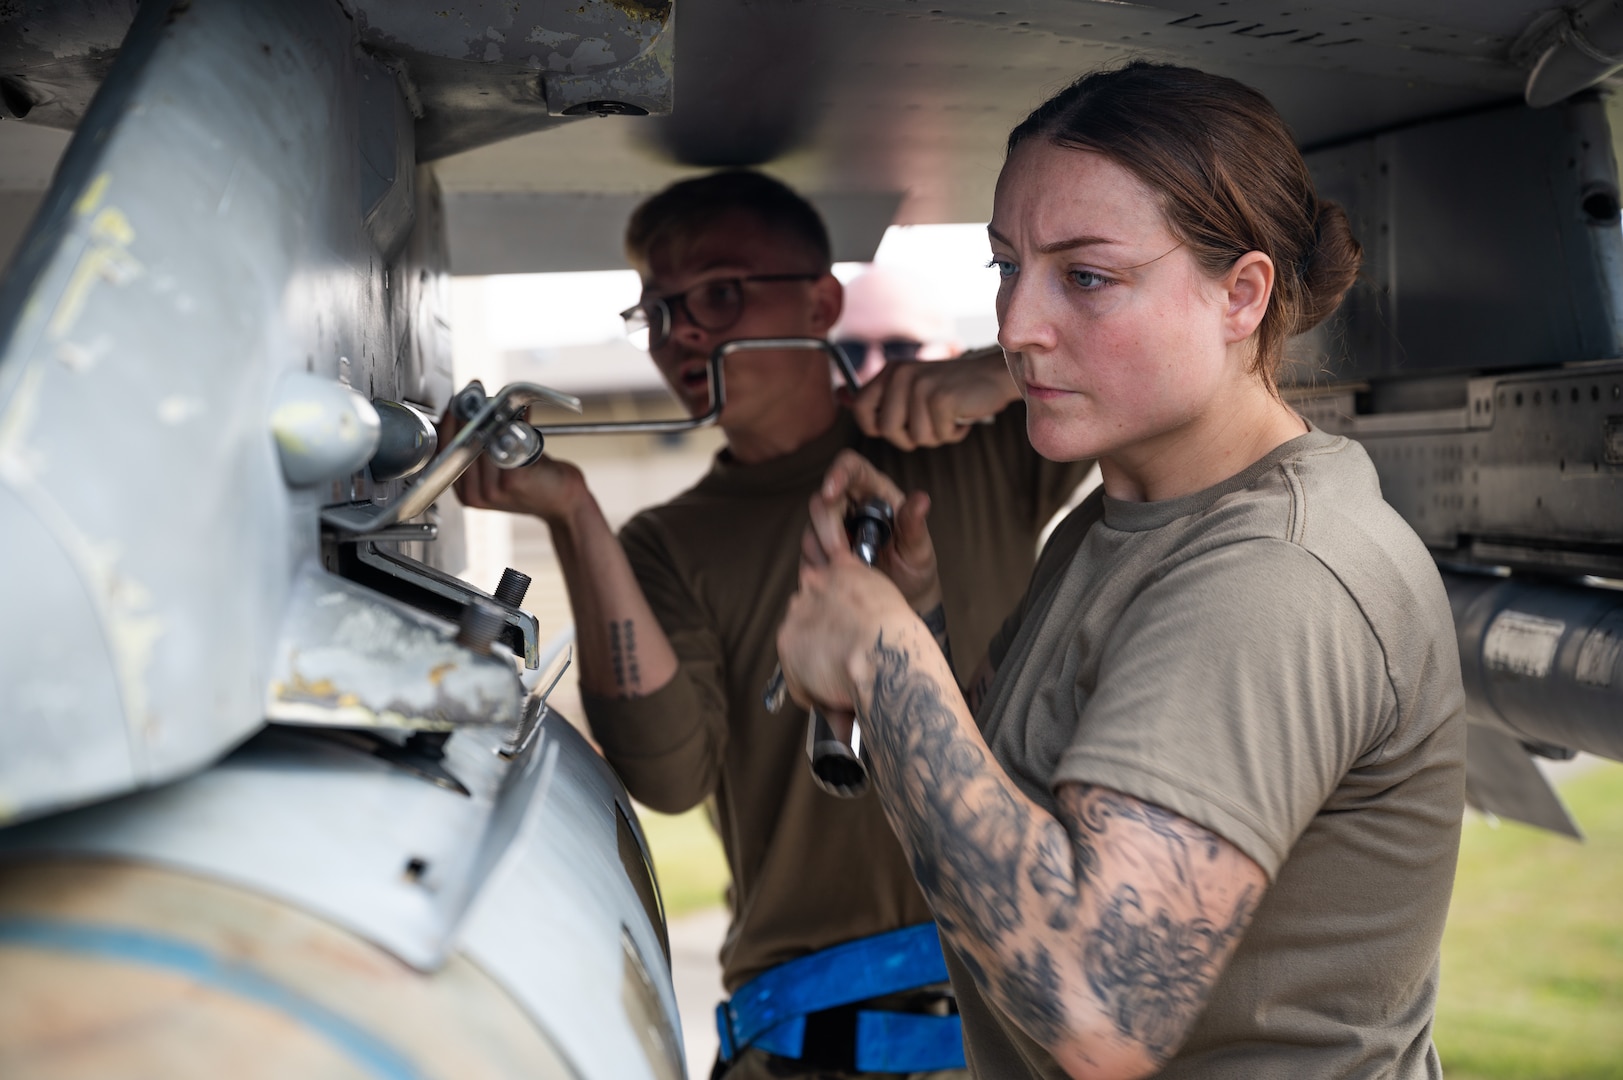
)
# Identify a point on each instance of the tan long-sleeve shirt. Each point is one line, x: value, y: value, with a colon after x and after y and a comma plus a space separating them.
x: 718, y: 565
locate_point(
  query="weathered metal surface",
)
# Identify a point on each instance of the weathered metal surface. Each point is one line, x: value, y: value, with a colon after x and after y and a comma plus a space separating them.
x: 432, y: 590
x: 1464, y: 274
x: 238, y: 211
x: 349, y: 657
x: 1526, y: 469
x: 524, y: 876
x: 475, y: 72
x: 109, y: 968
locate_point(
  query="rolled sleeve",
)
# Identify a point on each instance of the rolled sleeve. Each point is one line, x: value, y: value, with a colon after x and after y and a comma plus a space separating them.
x: 668, y: 746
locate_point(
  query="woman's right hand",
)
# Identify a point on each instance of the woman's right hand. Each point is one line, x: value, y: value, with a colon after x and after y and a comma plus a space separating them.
x: 550, y: 489
x: 909, y: 560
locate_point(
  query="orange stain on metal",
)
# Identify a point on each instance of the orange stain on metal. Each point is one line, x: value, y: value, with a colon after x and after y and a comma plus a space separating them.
x: 90, y: 986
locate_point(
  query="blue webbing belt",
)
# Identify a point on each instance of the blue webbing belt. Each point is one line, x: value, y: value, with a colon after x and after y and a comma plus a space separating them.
x: 769, y: 1012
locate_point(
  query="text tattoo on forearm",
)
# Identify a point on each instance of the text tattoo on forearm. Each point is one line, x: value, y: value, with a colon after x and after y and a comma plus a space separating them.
x: 623, y: 657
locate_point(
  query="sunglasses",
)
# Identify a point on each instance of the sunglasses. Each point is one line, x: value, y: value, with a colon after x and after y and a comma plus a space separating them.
x: 712, y: 305
x: 896, y: 350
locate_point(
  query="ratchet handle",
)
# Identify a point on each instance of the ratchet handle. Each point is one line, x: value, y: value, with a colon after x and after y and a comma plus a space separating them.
x: 839, y: 768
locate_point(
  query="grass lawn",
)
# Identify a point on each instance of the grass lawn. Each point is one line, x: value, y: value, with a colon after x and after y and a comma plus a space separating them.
x: 1533, y: 952
x: 1532, y: 957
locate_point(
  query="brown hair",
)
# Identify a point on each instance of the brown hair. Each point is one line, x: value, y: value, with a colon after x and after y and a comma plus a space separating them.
x: 689, y: 207
x: 1230, y: 178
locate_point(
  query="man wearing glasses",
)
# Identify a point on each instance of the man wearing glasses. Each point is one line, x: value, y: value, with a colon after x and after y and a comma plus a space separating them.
x: 889, y: 319
x: 831, y: 957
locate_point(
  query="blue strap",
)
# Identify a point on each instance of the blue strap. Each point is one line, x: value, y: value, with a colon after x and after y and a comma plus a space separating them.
x: 770, y: 1010
x: 908, y: 1042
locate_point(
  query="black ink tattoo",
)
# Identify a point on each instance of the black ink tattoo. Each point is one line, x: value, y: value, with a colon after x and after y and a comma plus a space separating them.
x: 1152, y: 973
x: 623, y: 658
x: 967, y: 862
x: 1092, y: 808
x: 1060, y: 870
x: 1032, y: 994
x: 633, y: 676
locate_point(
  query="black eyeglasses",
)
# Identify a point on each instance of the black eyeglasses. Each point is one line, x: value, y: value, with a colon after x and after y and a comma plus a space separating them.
x: 896, y: 350
x: 711, y: 305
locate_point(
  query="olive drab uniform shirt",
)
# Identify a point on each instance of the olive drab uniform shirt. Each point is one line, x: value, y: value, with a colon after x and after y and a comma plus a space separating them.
x: 1274, y: 659
x: 718, y: 565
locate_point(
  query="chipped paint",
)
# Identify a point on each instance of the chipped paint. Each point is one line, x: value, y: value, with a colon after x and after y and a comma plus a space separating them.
x: 19, y: 465
x: 350, y: 659
x: 124, y: 606
x: 106, y: 258
x: 86, y: 204
x: 540, y: 35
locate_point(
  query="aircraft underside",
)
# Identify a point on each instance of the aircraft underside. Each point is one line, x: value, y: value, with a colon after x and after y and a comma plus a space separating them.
x: 244, y: 699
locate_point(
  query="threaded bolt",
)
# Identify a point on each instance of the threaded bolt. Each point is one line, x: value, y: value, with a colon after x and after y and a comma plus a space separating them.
x: 512, y: 587
x: 482, y: 623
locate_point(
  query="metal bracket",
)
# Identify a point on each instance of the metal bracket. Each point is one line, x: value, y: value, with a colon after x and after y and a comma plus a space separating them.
x: 536, y: 708
x: 434, y: 591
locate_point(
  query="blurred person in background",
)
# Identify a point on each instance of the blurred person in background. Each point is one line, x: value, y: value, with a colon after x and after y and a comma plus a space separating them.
x: 832, y: 958
x: 889, y: 318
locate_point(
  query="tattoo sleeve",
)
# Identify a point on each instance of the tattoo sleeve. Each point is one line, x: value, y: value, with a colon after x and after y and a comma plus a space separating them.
x: 935, y: 621
x: 1099, y: 928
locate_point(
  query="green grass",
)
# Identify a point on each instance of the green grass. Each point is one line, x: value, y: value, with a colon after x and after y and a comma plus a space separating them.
x: 687, y: 857
x: 1532, y: 957
x: 1533, y: 952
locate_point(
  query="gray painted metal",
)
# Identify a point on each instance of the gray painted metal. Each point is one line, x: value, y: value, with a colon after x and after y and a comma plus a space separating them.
x: 1491, y: 241
x: 1542, y: 662
x: 1502, y: 779
x: 474, y: 72
x: 1527, y: 470
x: 324, y: 431
x: 886, y: 97
x: 234, y: 217
x: 524, y: 876
x: 517, y: 233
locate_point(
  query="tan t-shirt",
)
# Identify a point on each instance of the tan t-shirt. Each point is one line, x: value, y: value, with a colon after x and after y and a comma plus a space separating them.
x: 718, y: 565
x: 1274, y: 659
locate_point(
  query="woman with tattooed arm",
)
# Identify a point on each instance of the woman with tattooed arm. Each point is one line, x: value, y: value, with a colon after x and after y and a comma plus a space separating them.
x: 1200, y: 818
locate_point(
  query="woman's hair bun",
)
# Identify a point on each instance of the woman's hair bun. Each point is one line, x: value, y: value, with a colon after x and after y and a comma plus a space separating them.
x: 1329, y: 268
